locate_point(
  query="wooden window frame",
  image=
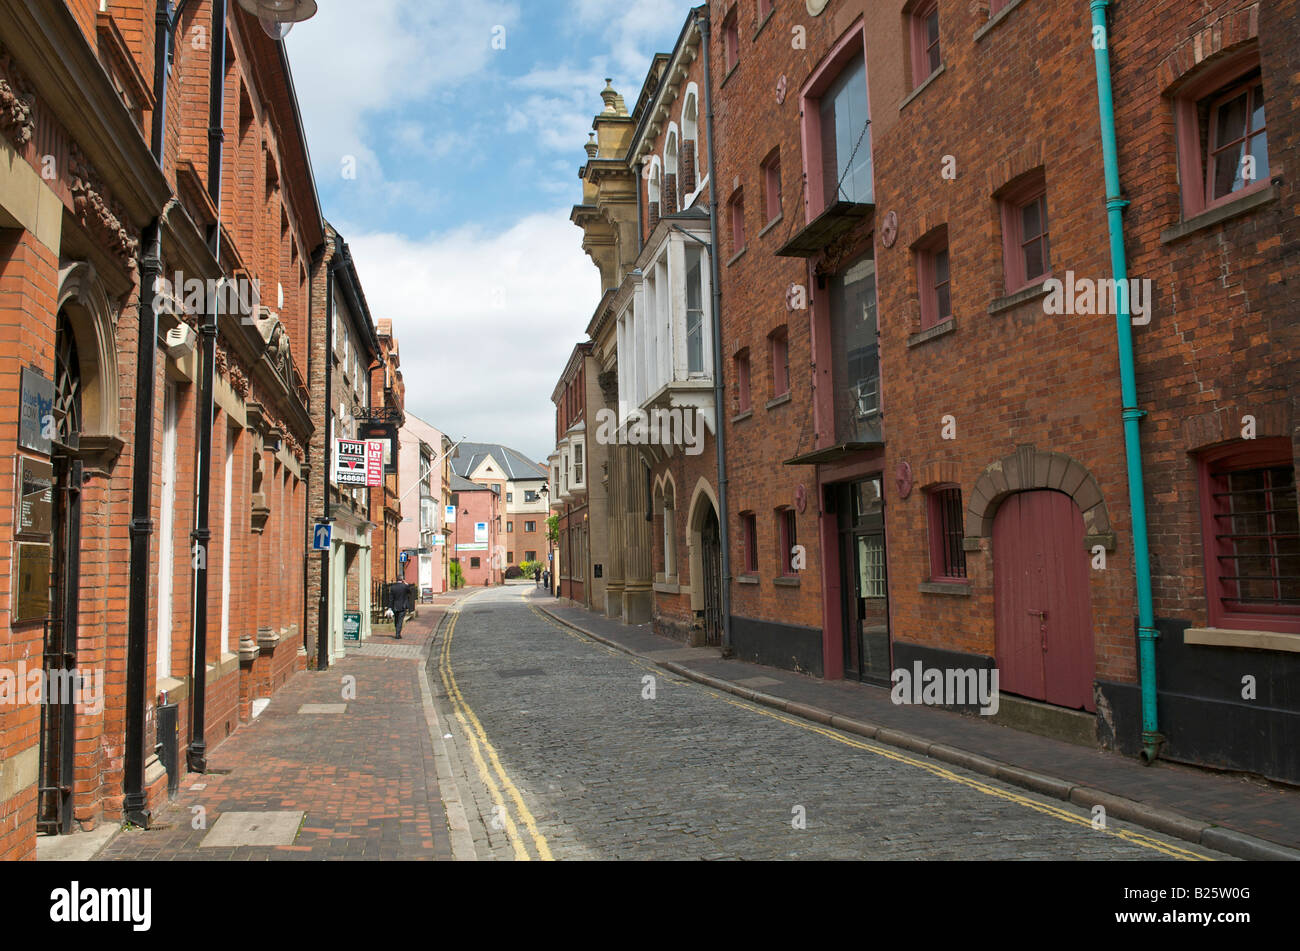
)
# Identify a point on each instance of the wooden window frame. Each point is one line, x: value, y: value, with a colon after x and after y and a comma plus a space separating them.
x: 736, y: 212
x: 918, y: 28
x: 744, y: 384
x: 749, y: 542
x: 1012, y: 200
x: 927, y: 252
x: 787, y: 533
x: 1207, y: 89
x: 778, y: 345
x: 945, y: 523
x: 771, y: 168
x: 1240, y: 455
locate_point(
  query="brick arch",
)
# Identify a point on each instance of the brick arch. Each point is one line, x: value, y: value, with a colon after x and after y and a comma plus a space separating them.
x: 936, y: 473
x: 1224, y: 35
x: 1030, y: 468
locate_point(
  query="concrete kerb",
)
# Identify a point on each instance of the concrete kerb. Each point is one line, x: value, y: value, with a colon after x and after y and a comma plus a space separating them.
x: 445, y: 758
x: 1168, y: 822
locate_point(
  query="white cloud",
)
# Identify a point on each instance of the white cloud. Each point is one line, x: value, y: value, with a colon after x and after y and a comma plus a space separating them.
x: 485, y: 322
x: 354, y: 61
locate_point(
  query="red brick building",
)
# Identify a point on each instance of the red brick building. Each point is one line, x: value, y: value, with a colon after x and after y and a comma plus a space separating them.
x: 569, y: 485
x: 386, y: 417
x: 951, y: 425
x: 930, y: 438
x: 120, y: 212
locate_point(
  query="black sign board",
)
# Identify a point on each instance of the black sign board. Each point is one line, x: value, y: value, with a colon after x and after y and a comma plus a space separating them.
x: 35, y: 497
x: 387, y: 434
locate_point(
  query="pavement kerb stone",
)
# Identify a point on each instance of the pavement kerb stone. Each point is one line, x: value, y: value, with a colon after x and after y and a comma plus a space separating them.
x: 1166, y: 821
x: 967, y: 760
x: 1162, y: 820
x: 1246, y: 846
x: 1038, y: 782
x: 908, y: 741
x: 444, y: 755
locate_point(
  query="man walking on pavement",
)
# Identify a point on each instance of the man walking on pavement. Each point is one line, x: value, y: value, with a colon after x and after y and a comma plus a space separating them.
x: 399, y: 602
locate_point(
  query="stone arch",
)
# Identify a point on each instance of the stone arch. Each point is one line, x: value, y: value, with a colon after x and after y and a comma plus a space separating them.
x: 1030, y: 468
x: 703, y: 500
x: 93, y: 320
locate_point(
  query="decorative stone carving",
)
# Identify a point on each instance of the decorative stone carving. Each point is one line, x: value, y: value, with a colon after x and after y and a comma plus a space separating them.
x: 16, y: 115
x: 238, y: 381
x: 222, y: 363
x: 93, y: 210
x: 608, y: 385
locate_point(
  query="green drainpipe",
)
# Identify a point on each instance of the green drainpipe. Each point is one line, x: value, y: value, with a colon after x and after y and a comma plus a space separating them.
x: 1147, y: 634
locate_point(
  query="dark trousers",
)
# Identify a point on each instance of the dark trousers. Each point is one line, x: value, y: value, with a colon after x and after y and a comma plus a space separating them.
x: 399, y: 618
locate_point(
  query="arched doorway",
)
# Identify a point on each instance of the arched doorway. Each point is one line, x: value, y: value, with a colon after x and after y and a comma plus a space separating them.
x: 58, y: 713
x: 1041, y: 600
x: 711, y: 576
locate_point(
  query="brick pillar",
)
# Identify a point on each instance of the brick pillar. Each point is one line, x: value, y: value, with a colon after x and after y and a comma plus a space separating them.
x: 28, y: 295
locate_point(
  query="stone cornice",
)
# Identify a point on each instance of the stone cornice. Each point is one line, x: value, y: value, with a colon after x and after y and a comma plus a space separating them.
x: 79, y: 94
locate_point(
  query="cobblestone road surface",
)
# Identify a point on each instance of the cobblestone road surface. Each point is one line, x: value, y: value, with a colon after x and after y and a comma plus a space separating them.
x: 608, y: 772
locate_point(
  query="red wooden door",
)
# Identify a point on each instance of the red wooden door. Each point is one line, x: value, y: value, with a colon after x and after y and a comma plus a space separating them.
x: 1042, y: 607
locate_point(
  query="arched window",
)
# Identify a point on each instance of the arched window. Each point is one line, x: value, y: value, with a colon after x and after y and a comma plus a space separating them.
x: 690, y: 143
x: 670, y: 174
x: 653, y: 189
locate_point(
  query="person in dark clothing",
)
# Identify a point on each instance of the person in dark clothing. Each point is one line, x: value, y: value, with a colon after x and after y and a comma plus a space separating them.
x: 399, y: 601
x: 537, y: 574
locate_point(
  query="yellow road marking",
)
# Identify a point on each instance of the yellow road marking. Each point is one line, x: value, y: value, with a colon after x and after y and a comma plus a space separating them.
x: 473, y: 728
x: 942, y: 772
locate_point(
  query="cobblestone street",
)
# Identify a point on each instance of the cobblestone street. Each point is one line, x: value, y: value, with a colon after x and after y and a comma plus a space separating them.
x: 608, y: 772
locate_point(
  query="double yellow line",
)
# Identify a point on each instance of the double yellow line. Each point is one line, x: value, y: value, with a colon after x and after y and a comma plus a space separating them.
x: 1056, y: 812
x: 483, y: 753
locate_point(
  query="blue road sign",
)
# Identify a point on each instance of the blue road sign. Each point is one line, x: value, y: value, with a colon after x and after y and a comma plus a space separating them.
x: 320, y: 538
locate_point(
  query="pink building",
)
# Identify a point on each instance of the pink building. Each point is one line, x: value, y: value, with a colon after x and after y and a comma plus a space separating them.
x: 423, y: 482
x: 475, y: 536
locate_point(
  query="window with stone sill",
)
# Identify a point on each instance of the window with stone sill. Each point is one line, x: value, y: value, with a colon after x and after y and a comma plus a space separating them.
x: 1026, y: 242
x: 1250, y: 530
x: 947, y: 556
x: 743, y: 401
x: 779, y: 345
x: 1222, y: 133
x: 787, y: 533
x: 933, y: 278
x: 736, y: 210
x: 731, y: 39
x: 749, y: 542
x: 772, y: 185
x: 923, y: 27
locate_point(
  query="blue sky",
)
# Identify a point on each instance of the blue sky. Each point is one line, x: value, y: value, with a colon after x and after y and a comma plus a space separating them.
x: 465, y: 160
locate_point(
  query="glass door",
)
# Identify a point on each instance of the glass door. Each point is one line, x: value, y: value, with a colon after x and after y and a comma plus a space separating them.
x: 865, y: 582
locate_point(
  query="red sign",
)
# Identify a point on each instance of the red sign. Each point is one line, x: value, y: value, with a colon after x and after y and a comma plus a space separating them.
x: 374, y: 462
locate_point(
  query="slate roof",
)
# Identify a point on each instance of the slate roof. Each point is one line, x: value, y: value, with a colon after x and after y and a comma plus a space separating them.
x: 517, y: 466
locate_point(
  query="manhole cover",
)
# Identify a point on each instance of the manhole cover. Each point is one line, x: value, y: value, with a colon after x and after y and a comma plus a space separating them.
x: 234, y: 829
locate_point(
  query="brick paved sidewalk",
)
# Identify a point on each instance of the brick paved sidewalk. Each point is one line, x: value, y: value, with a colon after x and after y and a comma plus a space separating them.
x: 1176, y: 799
x: 361, y: 771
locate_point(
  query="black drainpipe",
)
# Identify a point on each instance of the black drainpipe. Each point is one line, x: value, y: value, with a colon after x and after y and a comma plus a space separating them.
x: 322, y: 622
x: 317, y: 256
x: 202, y: 535
x: 135, y: 802
x: 702, y: 22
